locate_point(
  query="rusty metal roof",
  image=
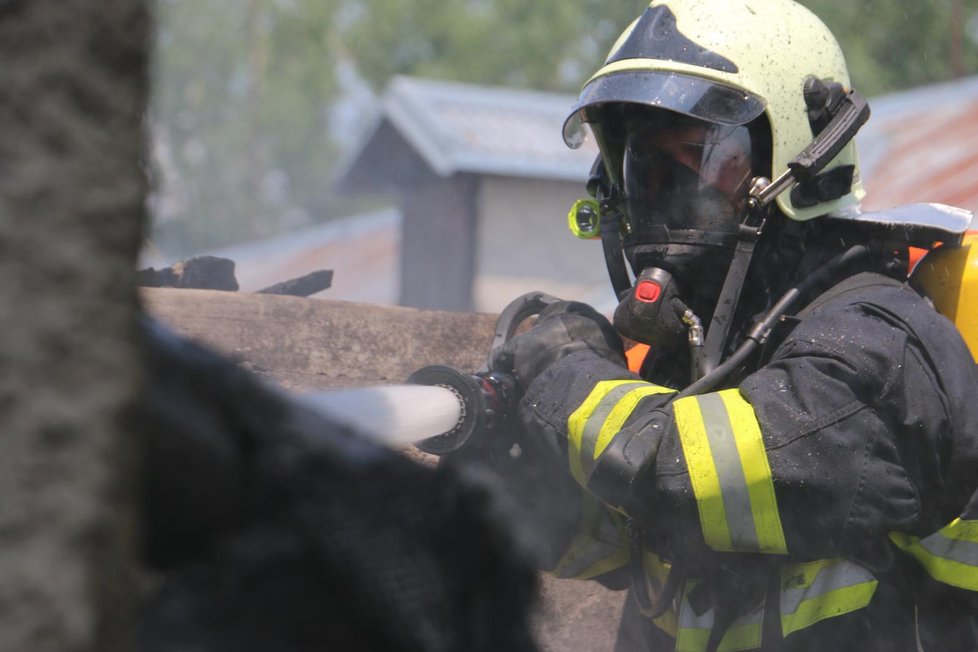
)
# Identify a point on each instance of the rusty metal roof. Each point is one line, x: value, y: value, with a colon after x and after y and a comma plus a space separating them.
x: 362, y: 251
x: 922, y: 146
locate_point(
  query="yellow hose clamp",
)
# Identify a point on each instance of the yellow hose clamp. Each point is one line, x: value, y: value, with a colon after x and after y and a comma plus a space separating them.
x: 584, y: 219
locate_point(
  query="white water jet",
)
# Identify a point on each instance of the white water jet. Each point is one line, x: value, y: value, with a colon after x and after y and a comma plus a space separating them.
x: 395, y: 415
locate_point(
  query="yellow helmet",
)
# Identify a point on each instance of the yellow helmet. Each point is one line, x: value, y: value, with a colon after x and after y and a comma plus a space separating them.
x: 729, y: 63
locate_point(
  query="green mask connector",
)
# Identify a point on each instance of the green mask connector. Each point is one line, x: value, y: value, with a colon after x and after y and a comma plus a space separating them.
x: 584, y: 219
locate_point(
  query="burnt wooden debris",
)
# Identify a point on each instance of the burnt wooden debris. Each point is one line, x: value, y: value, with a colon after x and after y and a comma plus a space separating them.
x: 199, y: 272
x: 302, y: 286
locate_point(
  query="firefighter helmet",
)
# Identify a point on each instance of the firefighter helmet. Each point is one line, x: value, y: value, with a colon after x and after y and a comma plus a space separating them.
x: 729, y: 64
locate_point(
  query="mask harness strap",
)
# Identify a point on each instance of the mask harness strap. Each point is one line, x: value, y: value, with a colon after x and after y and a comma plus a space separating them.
x: 611, y: 226
x: 614, y: 254
x: 716, y: 336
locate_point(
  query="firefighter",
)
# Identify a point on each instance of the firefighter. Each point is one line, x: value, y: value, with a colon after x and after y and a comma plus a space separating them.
x: 794, y: 465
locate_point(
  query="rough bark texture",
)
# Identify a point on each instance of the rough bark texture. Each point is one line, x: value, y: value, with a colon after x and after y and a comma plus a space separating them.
x: 73, y: 85
x: 303, y: 343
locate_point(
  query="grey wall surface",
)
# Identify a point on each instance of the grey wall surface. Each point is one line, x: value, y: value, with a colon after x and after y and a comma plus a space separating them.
x: 438, y: 243
x: 523, y: 244
x: 73, y: 86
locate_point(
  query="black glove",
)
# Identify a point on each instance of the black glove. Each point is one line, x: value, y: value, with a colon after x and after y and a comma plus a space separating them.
x: 560, y: 329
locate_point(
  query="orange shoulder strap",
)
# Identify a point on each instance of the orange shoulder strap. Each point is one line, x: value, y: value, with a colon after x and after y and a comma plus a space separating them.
x: 636, y: 356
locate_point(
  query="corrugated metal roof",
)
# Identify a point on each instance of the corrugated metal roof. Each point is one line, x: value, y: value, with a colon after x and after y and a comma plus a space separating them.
x: 463, y: 128
x: 922, y: 146
x: 362, y: 251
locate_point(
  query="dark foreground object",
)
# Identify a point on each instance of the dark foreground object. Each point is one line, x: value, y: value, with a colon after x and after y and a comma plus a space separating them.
x: 277, y: 529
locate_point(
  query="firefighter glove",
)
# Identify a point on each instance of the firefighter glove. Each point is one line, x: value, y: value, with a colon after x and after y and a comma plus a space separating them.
x: 562, y: 328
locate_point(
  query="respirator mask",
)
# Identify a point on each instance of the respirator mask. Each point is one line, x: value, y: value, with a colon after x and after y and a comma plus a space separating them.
x: 684, y: 188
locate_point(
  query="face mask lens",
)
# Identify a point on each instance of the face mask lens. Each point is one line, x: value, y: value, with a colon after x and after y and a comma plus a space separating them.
x: 726, y: 162
x: 686, y: 176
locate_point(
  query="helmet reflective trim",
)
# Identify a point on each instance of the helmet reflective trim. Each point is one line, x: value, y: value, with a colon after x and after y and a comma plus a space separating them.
x: 655, y: 36
x: 692, y: 96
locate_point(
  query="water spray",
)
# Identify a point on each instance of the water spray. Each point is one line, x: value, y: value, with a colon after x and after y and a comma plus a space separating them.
x: 441, y: 409
x: 486, y: 400
x: 394, y: 415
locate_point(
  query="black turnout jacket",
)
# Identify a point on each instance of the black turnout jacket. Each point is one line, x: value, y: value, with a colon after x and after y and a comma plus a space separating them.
x: 828, y: 500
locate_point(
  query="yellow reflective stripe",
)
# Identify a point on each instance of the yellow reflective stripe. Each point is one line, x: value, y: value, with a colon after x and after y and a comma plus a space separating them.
x: 579, y: 419
x: 702, y: 472
x: 622, y: 410
x: 950, y: 555
x: 600, y: 546
x: 594, y: 423
x: 729, y: 472
x: 694, y: 630
x: 741, y: 637
x: 757, y: 472
x: 814, y: 591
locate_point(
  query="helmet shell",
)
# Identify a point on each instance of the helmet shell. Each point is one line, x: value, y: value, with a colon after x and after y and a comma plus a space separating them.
x: 764, y: 49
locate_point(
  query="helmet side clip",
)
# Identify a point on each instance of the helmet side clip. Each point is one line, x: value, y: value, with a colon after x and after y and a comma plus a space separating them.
x: 847, y: 116
x: 822, y: 100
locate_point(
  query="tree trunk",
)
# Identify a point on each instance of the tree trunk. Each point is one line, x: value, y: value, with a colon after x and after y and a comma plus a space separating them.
x: 73, y: 86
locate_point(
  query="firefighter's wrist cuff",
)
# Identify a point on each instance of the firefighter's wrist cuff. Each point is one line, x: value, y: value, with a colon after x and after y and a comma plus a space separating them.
x: 622, y: 476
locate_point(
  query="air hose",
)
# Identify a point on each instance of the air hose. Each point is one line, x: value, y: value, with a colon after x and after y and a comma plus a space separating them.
x: 759, y: 332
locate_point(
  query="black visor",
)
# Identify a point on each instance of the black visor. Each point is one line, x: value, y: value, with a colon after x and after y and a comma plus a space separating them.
x: 691, y: 96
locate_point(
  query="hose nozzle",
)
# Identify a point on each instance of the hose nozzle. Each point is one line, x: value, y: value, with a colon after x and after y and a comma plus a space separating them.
x: 486, y: 400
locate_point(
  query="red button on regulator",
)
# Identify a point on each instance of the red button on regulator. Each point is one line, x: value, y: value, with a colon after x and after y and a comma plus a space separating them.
x: 648, y: 291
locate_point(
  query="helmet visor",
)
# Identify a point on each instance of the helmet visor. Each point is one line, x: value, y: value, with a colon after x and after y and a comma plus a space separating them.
x: 691, y: 96
x: 681, y: 175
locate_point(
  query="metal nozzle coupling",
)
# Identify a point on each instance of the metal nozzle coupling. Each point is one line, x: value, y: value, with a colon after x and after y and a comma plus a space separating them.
x: 694, y: 327
x: 485, y: 398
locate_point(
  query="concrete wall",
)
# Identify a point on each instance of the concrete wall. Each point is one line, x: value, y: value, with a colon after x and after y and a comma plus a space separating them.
x: 523, y: 243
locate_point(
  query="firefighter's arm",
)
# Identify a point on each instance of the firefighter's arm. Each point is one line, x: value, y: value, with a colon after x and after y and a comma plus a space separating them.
x: 582, y: 537
x: 811, y: 455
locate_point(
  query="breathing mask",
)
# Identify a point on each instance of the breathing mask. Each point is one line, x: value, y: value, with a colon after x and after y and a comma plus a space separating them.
x: 684, y: 189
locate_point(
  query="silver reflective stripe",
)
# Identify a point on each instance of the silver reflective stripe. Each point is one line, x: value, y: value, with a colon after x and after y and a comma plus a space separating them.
x: 814, y: 591
x: 694, y: 630
x: 838, y: 575
x: 593, y: 426
x: 959, y: 550
x: 730, y: 471
x: 950, y: 555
